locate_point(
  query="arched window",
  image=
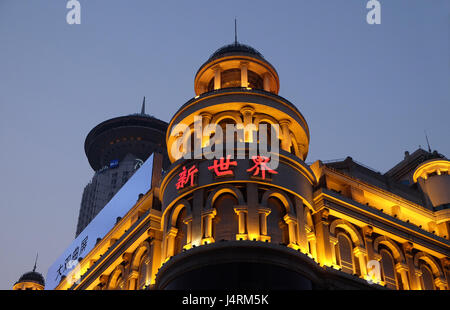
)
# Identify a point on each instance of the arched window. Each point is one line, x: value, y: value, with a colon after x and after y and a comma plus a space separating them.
x: 225, y: 223
x: 388, y: 269
x: 181, y: 237
x: 276, y: 227
x: 345, y: 253
x: 427, y: 278
x: 142, y: 278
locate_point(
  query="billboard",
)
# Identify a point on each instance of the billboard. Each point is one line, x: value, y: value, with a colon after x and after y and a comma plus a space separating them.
x: 105, y: 220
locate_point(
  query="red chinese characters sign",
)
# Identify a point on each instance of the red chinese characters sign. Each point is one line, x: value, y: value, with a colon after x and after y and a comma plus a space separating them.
x: 260, y: 166
x: 223, y: 167
x: 186, y: 176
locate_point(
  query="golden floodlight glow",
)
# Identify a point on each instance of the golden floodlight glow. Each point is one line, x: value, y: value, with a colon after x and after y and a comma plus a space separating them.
x: 430, y: 166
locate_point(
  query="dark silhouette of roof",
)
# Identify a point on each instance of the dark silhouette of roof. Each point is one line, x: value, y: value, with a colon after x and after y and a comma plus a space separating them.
x: 32, y: 276
x: 236, y: 48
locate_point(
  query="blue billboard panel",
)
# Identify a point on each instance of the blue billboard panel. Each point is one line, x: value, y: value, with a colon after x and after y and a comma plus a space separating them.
x: 105, y: 220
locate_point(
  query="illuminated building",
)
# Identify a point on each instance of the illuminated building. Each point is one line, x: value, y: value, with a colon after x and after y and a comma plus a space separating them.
x: 220, y: 224
x: 115, y: 149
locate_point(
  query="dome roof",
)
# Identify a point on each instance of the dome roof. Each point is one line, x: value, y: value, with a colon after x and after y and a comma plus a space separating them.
x: 236, y: 48
x: 32, y: 276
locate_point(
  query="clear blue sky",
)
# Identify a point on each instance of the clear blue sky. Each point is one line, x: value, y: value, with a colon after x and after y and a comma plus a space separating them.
x: 366, y: 91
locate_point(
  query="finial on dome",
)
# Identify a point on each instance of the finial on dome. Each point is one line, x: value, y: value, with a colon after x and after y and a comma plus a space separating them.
x: 143, y: 107
x: 35, y: 262
x: 235, y: 32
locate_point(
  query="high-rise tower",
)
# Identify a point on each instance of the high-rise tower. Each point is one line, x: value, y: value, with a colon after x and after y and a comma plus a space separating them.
x: 115, y: 149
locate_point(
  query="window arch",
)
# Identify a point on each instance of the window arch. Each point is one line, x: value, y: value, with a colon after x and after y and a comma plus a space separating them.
x: 276, y: 227
x: 388, y: 269
x: 427, y: 279
x: 181, y: 237
x: 142, y: 277
x: 344, y: 253
x: 225, y: 223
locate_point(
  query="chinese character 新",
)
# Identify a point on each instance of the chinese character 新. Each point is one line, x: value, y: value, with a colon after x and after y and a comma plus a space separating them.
x: 186, y: 176
x: 222, y: 167
x: 261, y: 166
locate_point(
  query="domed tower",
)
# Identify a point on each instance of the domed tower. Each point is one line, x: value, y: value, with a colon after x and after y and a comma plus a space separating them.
x: 115, y: 149
x: 232, y: 221
x: 32, y: 280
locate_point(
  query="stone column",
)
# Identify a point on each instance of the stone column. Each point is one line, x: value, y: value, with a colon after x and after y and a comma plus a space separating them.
x: 208, y: 216
x: 188, y: 222
x: 197, y: 206
x: 244, y: 74
x: 291, y: 221
x: 402, y: 269
x: 132, y: 280
x: 361, y: 253
x: 154, y: 258
x: 252, y: 208
x: 266, y: 77
x: 247, y: 115
x: 242, y: 225
x: 312, y: 243
x: 206, y: 119
x: 170, y: 242
x: 217, y: 78
x: 323, y: 237
x: 333, y: 243
x: 414, y: 280
x: 301, y: 232
x: 263, y: 213
x: 285, y: 135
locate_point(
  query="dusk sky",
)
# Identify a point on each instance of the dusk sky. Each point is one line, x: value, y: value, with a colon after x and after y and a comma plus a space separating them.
x: 366, y: 91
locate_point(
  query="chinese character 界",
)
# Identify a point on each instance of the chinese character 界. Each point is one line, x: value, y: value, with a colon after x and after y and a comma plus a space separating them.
x: 186, y: 176
x: 222, y: 167
x: 261, y: 165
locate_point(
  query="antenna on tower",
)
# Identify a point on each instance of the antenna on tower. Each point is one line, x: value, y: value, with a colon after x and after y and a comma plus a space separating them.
x: 35, y: 262
x: 143, y: 107
x: 235, y: 32
x: 428, y: 143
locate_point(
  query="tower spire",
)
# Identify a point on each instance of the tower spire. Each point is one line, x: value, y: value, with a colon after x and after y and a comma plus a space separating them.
x: 143, y: 107
x: 428, y: 143
x: 235, y: 31
x: 35, y: 262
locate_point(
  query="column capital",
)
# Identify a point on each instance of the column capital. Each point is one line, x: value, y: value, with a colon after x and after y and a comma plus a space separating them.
x: 408, y: 247
x: 440, y: 282
x: 368, y: 230
x: 265, y: 211
x: 289, y: 218
x: 187, y: 220
x: 206, y: 115
x: 311, y: 236
x: 359, y: 251
x: 248, y: 109
x: 211, y: 212
x: 172, y: 232
x: 399, y: 267
x: 133, y: 275
x: 284, y: 122
x: 244, y: 64
x: 127, y: 257
x: 333, y: 240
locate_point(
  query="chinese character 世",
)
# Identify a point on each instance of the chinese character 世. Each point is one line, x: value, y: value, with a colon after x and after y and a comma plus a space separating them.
x: 222, y: 167
x: 186, y: 176
x: 261, y: 165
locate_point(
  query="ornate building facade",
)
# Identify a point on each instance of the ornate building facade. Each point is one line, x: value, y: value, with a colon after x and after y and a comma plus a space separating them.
x: 221, y: 223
